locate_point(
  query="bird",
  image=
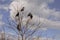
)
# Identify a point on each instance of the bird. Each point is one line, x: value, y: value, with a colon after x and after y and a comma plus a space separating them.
x: 22, y: 9
x: 18, y: 28
x: 17, y: 14
x: 30, y: 15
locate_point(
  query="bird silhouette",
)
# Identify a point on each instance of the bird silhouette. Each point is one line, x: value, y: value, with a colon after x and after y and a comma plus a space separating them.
x: 22, y: 9
x: 17, y: 14
x: 18, y: 28
x: 31, y: 16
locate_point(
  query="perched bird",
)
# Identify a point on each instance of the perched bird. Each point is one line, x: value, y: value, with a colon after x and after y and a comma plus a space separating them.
x: 17, y: 14
x: 18, y: 28
x: 22, y: 9
x: 30, y: 15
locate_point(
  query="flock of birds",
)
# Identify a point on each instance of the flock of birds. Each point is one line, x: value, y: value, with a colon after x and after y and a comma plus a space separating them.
x: 17, y: 15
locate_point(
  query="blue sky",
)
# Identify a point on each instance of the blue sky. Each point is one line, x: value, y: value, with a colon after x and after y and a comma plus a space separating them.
x: 49, y: 33
x: 55, y: 5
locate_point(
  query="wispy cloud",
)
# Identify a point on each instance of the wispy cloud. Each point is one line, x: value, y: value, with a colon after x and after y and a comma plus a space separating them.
x: 1, y: 23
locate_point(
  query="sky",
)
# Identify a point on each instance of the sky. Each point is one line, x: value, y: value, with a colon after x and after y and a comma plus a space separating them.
x: 55, y: 4
x: 47, y: 11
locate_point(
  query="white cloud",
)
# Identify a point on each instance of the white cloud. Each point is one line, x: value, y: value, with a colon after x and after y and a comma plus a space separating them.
x: 30, y: 5
x: 45, y: 23
x: 5, y: 7
x: 38, y: 2
x: 38, y: 8
x: 50, y: 24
